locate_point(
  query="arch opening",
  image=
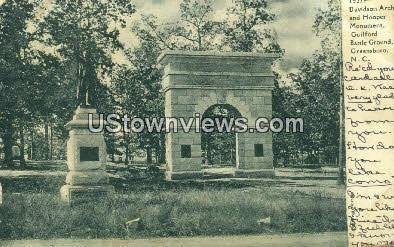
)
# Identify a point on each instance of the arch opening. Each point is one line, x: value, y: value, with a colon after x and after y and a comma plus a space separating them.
x: 218, y: 147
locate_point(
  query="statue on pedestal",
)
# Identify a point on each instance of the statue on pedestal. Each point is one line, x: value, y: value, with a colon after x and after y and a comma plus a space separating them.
x: 87, y: 75
x: 86, y: 179
x: 83, y: 94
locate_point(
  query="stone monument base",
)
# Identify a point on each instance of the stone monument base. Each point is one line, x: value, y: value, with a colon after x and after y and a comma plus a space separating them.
x: 72, y: 194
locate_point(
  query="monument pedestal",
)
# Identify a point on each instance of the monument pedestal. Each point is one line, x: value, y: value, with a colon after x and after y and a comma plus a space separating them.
x: 86, y: 160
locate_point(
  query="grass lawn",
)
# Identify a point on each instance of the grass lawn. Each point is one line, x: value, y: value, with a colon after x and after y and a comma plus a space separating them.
x: 32, y: 209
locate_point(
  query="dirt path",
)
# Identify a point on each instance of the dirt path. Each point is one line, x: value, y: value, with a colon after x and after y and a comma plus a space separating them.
x: 337, y: 239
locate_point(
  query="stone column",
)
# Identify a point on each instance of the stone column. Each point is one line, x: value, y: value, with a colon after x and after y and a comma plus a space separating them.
x: 183, y: 150
x: 255, y: 149
x: 255, y: 155
x: 86, y: 160
x: 183, y: 156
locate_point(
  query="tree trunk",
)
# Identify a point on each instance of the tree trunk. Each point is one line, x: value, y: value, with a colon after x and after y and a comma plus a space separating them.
x: 342, y: 150
x: 149, y: 155
x: 32, y: 144
x: 7, y: 139
x: 157, y: 154
x: 127, y: 154
x: 22, y: 146
x: 29, y: 151
x: 162, y: 151
x: 127, y: 149
x: 46, y: 137
x: 51, y: 142
x: 209, y: 153
x: 199, y: 39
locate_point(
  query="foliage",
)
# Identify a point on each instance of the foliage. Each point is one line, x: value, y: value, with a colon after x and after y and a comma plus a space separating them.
x: 246, y: 29
x: 285, y: 145
x: 314, y: 96
x: 327, y: 26
x: 85, y: 34
x: 196, y: 28
x: 138, y: 94
x: 27, y: 76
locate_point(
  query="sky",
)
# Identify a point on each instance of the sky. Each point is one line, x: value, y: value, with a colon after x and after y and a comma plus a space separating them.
x: 293, y: 24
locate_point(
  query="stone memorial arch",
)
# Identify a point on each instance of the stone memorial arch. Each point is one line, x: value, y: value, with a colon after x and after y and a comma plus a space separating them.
x: 195, y: 81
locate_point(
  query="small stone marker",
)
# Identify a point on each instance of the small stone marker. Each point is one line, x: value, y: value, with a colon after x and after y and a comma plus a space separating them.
x: 132, y: 224
x: 265, y: 221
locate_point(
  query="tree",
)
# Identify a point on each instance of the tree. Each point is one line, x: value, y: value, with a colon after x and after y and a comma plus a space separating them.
x: 285, y: 104
x: 137, y: 91
x: 317, y: 85
x: 327, y: 26
x: 196, y: 26
x: 327, y: 23
x: 85, y: 34
x: 195, y: 29
x: 22, y: 87
x: 246, y: 27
